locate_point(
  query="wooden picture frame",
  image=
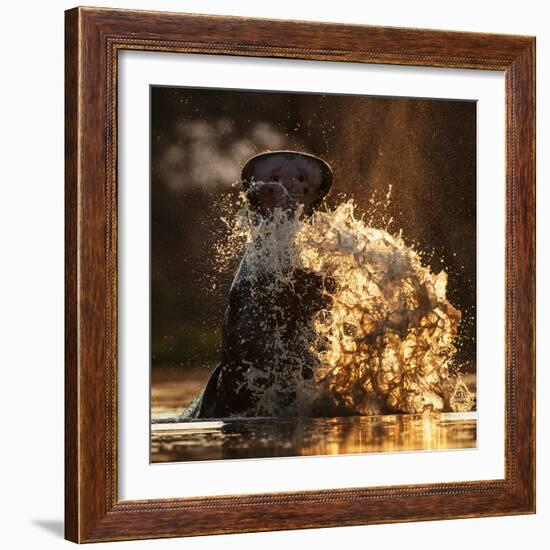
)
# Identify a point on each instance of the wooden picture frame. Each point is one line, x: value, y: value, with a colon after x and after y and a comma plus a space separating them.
x: 93, y: 511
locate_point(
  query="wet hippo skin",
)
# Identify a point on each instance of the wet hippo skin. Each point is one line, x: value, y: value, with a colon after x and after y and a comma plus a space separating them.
x: 287, y: 180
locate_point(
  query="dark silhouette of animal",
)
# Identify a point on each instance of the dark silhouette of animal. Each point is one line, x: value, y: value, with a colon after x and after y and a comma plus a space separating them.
x: 253, y: 361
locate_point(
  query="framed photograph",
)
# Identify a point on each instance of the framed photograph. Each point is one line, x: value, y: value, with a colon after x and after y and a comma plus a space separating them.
x: 300, y: 274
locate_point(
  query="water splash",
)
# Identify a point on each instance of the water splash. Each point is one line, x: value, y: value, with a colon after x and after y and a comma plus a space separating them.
x: 383, y: 338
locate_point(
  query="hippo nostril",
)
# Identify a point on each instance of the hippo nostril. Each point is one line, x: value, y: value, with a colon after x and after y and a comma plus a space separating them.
x: 301, y: 178
x: 306, y: 191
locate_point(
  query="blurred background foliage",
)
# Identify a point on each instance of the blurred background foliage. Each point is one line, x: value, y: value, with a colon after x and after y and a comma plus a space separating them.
x: 200, y: 138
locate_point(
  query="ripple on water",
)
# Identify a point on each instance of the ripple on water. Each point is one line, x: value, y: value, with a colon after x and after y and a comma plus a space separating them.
x: 269, y: 437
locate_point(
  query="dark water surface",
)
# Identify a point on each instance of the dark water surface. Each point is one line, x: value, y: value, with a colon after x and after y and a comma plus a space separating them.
x: 268, y: 437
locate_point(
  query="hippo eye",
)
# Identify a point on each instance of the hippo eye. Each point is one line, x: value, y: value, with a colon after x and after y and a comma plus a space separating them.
x: 301, y: 178
x: 306, y: 191
x: 275, y: 177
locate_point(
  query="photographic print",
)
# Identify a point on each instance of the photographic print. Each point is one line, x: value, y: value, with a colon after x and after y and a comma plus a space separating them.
x: 288, y: 282
x: 313, y: 274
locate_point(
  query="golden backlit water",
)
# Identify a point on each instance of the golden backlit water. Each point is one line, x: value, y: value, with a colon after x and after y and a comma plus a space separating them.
x: 177, y: 441
x: 268, y: 437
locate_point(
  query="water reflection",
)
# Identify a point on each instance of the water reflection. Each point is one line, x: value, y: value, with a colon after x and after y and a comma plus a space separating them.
x: 268, y: 437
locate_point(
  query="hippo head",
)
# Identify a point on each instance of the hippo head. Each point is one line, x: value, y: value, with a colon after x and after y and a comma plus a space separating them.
x: 286, y: 179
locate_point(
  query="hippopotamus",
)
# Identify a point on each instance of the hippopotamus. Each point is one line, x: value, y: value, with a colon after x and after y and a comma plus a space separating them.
x: 252, y: 361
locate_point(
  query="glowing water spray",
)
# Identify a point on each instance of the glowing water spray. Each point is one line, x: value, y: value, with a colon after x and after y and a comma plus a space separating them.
x: 386, y: 341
